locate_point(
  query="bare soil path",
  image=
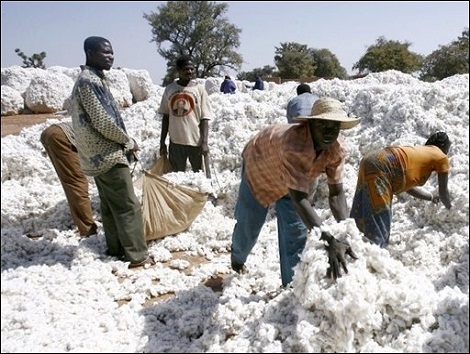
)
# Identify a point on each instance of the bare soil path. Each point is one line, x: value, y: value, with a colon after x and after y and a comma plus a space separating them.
x: 14, y: 124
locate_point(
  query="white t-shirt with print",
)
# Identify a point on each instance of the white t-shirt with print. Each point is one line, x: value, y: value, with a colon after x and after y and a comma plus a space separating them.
x: 186, y: 107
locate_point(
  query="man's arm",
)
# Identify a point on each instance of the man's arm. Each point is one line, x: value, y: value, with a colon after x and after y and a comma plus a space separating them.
x: 164, y: 133
x: 310, y: 218
x: 443, y: 189
x: 204, y: 131
x: 337, y: 200
x: 308, y: 215
x: 443, y: 192
x: 420, y: 194
x: 337, y: 250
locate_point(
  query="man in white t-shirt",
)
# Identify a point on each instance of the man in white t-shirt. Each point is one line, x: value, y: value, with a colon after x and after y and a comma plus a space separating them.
x: 186, y: 112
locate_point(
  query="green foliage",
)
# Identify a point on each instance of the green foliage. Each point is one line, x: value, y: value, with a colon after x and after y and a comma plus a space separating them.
x: 197, y: 28
x: 266, y: 71
x: 389, y: 55
x: 294, y: 60
x: 327, y: 64
x: 34, y: 61
x: 447, y: 61
x: 201, y: 29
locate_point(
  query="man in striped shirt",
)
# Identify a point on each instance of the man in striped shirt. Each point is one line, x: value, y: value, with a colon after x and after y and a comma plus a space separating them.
x: 279, y: 164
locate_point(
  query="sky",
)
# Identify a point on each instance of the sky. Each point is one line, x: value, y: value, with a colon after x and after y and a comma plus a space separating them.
x: 60, y: 293
x: 347, y: 29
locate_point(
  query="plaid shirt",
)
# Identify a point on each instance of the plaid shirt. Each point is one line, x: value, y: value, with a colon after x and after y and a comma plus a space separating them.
x: 282, y: 157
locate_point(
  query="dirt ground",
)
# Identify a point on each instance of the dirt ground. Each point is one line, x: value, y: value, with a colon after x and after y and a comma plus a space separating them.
x: 14, y: 124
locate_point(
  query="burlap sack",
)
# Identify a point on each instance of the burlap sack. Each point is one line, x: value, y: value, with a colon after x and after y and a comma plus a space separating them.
x: 167, y: 207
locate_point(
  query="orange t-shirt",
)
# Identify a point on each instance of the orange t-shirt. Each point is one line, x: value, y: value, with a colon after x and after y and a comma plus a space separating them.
x: 419, y: 162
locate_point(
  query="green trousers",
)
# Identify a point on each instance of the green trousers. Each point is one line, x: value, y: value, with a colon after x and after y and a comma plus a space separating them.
x: 121, y: 215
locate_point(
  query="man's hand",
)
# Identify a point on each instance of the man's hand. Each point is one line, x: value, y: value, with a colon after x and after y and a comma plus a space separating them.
x: 337, y: 252
x: 136, y: 146
x: 205, y: 149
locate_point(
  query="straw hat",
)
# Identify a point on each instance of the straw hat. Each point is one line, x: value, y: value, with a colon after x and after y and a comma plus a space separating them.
x: 327, y: 108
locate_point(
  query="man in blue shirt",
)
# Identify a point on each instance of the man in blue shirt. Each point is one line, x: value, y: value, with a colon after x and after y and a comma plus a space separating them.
x: 259, y: 84
x: 301, y: 104
x: 228, y: 86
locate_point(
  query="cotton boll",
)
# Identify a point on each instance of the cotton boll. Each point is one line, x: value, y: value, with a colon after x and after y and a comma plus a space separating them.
x: 179, y: 264
x: 182, y: 242
x: 161, y: 254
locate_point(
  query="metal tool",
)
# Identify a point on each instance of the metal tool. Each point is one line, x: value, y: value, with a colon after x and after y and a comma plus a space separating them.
x: 207, y: 165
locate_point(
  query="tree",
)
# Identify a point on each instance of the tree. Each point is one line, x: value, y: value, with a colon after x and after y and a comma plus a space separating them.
x: 389, y: 55
x: 34, y: 61
x: 197, y: 28
x: 447, y: 61
x: 327, y: 64
x: 266, y: 71
x: 294, y: 60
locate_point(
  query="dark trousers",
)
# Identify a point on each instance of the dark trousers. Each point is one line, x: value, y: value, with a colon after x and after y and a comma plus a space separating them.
x: 179, y: 154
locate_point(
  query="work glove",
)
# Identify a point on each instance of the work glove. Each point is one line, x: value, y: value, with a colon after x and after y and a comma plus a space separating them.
x: 337, y: 251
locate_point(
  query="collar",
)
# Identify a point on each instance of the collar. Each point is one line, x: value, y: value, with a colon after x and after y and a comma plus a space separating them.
x: 100, y: 73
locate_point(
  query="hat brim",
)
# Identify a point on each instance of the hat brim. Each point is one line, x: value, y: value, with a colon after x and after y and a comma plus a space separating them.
x: 346, y: 122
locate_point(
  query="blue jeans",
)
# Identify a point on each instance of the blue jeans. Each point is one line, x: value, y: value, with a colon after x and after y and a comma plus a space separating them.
x: 251, y: 215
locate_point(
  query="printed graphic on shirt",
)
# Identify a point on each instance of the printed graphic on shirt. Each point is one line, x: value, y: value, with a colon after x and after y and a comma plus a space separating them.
x: 182, y: 104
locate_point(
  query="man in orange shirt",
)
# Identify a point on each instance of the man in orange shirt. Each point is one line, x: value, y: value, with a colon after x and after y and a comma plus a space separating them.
x: 279, y: 164
x: 393, y: 170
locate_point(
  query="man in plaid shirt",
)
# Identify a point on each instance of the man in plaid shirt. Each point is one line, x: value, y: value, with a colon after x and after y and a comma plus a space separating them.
x: 279, y: 164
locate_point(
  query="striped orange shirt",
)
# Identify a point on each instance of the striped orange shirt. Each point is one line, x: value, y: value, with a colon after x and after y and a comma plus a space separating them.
x: 282, y: 157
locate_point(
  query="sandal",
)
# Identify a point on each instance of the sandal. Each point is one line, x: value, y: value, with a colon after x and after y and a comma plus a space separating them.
x: 149, y: 261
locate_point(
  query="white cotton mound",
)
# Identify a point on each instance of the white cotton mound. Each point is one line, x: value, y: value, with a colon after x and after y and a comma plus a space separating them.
x: 60, y: 294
